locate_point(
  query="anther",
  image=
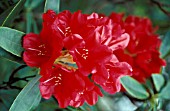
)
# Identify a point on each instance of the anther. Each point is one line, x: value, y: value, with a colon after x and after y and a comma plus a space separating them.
x: 57, y: 81
x: 34, y: 49
x: 42, y: 46
x: 49, y: 79
x: 41, y: 53
x: 59, y: 78
x: 81, y: 93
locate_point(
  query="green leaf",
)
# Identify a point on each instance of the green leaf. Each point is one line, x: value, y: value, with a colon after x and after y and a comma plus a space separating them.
x: 52, y: 4
x: 158, y: 81
x: 134, y: 88
x: 165, y: 46
x: 115, y: 104
x: 31, y: 4
x: 35, y: 27
x: 15, y: 11
x: 165, y: 93
x: 10, y: 40
x: 149, y: 85
x: 3, y: 107
x: 29, y: 98
x: 8, y: 96
x: 24, y: 73
x: 35, y: 3
x: 48, y: 105
x: 87, y: 107
x: 29, y: 21
x: 10, y: 56
x: 6, y: 68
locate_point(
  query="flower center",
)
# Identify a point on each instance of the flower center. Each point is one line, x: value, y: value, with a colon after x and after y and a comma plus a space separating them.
x: 66, y: 60
x: 67, y: 31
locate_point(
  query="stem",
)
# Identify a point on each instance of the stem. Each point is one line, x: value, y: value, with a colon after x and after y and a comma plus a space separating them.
x: 12, y: 79
x: 160, y: 7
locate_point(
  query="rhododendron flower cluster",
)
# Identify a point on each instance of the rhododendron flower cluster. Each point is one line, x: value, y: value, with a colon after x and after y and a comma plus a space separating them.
x: 80, y: 53
x: 75, y: 54
x: 142, y: 52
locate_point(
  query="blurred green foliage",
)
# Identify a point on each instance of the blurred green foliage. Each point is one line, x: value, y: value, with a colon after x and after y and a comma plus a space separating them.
x: 29, y: 19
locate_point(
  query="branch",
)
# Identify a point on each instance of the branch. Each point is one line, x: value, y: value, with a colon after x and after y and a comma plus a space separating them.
x: 122, y: 2
x: 12, y: 79
x: 160, y: 6
x: 23, y: 79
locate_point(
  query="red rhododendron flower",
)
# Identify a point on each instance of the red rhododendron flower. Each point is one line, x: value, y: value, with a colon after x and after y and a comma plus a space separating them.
x: 142, y: 51
x: 41, y: 49
x: 75, y: 51
x: 140, y: 30
x: 101, y: 38
x: 68, y: 87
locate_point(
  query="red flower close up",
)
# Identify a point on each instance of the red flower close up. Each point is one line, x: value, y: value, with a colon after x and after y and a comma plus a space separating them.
x: 75, y: 54
x: 68, y: 87
x: 45, y: 47
x: 142, y: 52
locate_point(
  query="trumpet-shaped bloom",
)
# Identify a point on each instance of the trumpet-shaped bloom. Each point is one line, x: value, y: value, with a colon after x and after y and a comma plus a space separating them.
x: 68, y: 87
x: 142, y: 52
x: 74, y: 52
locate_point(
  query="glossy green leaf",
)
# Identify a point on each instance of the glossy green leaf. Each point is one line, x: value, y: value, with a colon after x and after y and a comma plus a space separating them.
x: 134, y: 88
x: 15, y: 11
x: 29, y: 98
x: 165, y: 93
x: 52, y: 4
x: 11, y: 40
x: 8, y: 96
x: 11, y: 57
x: 158, y: 81
x: 165, y: 46
x: 115, y: 104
